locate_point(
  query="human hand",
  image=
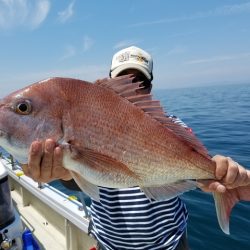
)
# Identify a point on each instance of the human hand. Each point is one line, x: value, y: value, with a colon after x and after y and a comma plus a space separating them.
x: 229, y: 175
x: 45, y: 162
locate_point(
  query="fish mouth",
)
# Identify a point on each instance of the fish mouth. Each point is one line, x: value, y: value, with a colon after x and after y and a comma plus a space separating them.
x: 15, y: 148
x: 3, y: 134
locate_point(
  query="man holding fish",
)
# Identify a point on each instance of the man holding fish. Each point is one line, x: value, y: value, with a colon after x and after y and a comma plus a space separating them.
x: 126, y: 215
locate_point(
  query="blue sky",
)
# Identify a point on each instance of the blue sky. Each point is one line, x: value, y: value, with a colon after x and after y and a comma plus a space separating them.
x: 192, y: 42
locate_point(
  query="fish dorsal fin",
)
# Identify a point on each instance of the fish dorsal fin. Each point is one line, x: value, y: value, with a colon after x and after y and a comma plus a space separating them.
x: 124, y: 86
x: 184, y: 133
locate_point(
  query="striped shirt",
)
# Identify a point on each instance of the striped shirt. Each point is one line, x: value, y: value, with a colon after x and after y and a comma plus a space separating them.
x: 126, y: 219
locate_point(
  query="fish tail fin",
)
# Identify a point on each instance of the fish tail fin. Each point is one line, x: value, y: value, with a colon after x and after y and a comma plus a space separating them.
x: 224, y: 202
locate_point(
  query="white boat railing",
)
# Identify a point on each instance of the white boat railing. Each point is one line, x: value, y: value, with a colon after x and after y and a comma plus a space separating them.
x: 56, y: 221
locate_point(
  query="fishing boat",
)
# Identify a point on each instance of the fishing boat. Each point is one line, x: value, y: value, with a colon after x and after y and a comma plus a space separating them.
x: 37, y: 216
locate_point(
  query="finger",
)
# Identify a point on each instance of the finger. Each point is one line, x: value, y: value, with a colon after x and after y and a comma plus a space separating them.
x: 217, y: 187
x: 67, y: 176
x: 47, y: 160
x: 57, y: 170
x: 34, y: 161
x: 248, y: 178
x: 26, y: 171
x: 241, y: 178
x: 211, y: 186
x: 221, y: 166
x: 232, y: 172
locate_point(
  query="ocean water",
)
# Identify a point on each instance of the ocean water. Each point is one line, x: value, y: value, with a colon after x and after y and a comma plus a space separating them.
x: 220, y: 117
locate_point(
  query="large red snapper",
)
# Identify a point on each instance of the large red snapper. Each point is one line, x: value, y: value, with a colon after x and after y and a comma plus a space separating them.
x: 110, y: 137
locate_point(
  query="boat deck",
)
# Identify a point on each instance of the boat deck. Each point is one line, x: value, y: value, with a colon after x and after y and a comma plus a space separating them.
x: 56, y: 221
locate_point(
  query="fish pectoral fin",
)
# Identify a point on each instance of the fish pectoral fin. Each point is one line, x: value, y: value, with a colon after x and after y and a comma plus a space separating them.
x: 102, y: 163
x: 169, y: 191
x: 90, y: 189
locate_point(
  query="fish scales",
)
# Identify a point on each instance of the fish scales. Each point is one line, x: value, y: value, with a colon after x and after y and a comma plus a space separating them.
x: 110, y: 137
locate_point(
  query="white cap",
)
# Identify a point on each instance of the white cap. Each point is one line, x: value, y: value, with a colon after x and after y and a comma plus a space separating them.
x: 132, y: 58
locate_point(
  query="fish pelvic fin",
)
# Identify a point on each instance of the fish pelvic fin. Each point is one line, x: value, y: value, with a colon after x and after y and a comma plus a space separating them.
x: 169, y: 191
x: 90, y: 189
x: 224, y: 202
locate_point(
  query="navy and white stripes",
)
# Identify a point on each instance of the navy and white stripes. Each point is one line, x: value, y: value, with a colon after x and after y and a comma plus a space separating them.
x: 125, y: 219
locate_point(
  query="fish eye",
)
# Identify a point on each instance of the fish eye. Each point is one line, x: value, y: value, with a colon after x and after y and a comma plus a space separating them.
x: 23, y: 108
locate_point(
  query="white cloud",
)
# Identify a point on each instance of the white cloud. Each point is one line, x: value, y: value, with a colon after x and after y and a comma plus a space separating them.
x: 67, y: 13
x: 219, y: 58
x: 25, y: 13
x: 233, y: 9
x: 87, y: 43
x: 183, y: 34
x: 220, y: 11
x: 70, y: 51
x: 125, y: 43
x: 177, y: 50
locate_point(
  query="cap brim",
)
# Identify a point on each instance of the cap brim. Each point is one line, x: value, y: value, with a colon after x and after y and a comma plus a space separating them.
x: 126, y: 66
